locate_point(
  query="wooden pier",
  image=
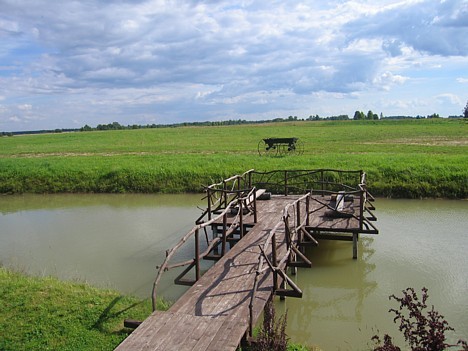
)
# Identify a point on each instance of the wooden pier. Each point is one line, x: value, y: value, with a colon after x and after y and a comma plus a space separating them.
x: 256, y: 225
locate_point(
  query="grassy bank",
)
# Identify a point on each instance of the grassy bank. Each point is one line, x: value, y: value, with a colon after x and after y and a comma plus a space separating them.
x: 409, y: 158
x: 47, y: 314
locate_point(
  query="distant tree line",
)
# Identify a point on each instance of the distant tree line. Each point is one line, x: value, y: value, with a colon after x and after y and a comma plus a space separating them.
x: 358, y: 115
x: 41, y: 131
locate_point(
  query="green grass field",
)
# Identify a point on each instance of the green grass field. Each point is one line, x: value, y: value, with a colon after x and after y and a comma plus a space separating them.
x: 406, y: 158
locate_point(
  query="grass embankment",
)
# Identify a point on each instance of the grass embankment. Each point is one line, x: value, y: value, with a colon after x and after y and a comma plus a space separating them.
x: 409, y: 158
x: 47, y: 314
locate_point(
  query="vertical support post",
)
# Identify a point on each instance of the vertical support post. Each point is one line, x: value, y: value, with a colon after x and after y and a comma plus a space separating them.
x: 355, y: 244
x: 241, y: 219
x: 275, y: 262
x: 361, y: 208
x: 223, y: 243
x: 197, y: 256
x: 209, y: 203
x: 255, y: 208
x: 283, y: 286
x: 287, y: 232
x: 293, y: 269
x: 308, y: 209
x: 214, y: 230
x: 250, y: 321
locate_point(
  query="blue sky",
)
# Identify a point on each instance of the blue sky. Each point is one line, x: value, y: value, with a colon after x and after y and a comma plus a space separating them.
x: 65, y: 64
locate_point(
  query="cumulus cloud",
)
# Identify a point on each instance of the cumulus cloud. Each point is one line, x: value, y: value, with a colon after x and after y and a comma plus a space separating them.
x: 161, y: 60
x: 437, y: 28
x: 387, y: 79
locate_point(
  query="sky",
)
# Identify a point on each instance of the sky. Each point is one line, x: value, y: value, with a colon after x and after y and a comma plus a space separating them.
x: 65, y: 64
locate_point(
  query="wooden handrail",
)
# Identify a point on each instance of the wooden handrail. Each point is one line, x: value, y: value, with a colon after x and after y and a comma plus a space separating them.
x: 270, y: 240
x: 289, y: 180
x: 170, y: 253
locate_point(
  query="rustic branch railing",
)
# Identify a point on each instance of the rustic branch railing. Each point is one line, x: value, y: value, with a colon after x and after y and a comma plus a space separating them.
x: 219, y: 195
x: 240, y: 191
x: 287, y: 182
x: 242, y: 199
x: 291, y: 211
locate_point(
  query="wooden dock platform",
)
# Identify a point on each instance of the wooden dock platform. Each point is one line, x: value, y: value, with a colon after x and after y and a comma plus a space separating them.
x: 220, y: 308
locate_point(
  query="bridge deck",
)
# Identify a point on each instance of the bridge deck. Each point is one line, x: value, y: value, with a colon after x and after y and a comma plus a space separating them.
x: 214, y: 313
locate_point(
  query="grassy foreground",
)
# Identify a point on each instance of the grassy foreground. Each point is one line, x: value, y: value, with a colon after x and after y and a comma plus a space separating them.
x: 47, y: 314
x: 406, y: 158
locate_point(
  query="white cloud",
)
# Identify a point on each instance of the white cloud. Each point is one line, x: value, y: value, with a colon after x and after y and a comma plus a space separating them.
x: 448, y: 98
x: 25, y: 107
x: 387, y: 79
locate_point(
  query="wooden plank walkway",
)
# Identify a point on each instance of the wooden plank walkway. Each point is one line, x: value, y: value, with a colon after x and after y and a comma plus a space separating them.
x: 214, y: 313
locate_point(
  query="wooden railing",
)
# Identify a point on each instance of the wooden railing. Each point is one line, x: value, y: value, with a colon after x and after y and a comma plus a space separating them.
x: 229, y: 199
x: 240, y: 191
x: 285, y: 182
x: 295, y: 218
x: 219, y: 195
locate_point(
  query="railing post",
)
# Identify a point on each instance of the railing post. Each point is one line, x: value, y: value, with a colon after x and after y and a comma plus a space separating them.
x: 241, y: 219
x: 287, y: 231
x: 275, y: 262
x: 197, y: 256
x: 307, y: 209
x: 223, y: 244
x: 209, y: 203
x: 255, y: 208
x: 361, y: 208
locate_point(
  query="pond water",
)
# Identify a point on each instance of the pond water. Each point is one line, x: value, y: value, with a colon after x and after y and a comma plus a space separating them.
x: 116, y: 241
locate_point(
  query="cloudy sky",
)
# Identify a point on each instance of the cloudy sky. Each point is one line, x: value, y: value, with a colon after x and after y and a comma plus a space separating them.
x: 64, y: 64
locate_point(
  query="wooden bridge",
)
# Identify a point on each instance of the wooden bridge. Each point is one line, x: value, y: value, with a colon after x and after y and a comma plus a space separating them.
x: 255, y: 226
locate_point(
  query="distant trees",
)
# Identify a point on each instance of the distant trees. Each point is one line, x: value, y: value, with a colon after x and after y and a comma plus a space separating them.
x: 465, y: 111
x: 361, y: 115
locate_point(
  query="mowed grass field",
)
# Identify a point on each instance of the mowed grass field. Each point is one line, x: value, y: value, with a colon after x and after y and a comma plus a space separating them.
x: 403, y: 158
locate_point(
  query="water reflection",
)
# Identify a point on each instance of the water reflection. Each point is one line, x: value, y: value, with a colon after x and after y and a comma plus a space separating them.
x: 335, y: 291
x: 345, y: 302
x: 108, y: 240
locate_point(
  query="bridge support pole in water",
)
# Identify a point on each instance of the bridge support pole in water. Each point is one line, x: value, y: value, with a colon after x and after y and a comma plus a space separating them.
x: 355, y: 244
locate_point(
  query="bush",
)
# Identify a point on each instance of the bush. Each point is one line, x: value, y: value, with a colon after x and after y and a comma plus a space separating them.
x: 272, y: 336
x: 423, y: 330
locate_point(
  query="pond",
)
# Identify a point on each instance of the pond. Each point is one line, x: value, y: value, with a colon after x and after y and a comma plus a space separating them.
x: 116, y: 241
